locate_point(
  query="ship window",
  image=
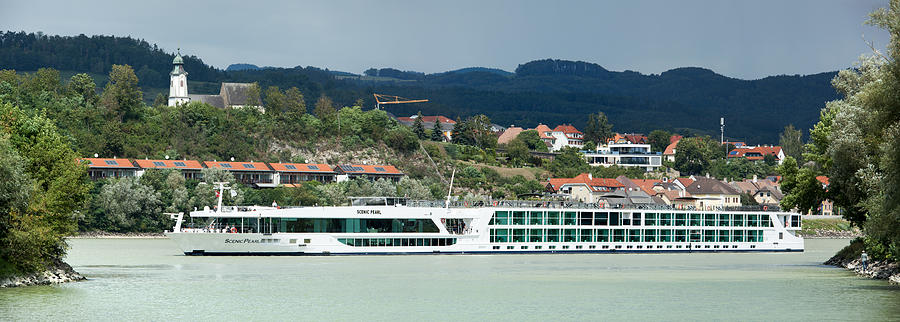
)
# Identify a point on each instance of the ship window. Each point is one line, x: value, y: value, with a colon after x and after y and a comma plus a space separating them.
x: 518, y: 218
x: 536, y: 235
x: 496, y: 247
x: 565, y: 246
x: 650, y: 235
x: 510, y: 247
x: 552, y: 247
x: 709, y: 220
x: 618, y: 235
x: 650, y: 219
x: 571, y: 235
x: 538, y: 247
x: 602, y: 235
x: 553, y: 235
x: 680, y: 235
x: 709, y: 236
x: 579, y: 247
x: 536, y: 218
x: 586, y: 235
x: 695, y: 220
x: 614, y: 219
x: 519, y: 235
x: 723, y: 236
x: 307, y: 241
x: 570, y: 218
x: 523, y: 247
x: 680, y: 219
x: 586, y: 218
x: 159, y: 163
x: 601, y: 218
x: 724, y: 220
x: 592, y: 247
x: 738, y: 220
x: 293, y: 241
x: 665, y: 219
x: 634, y: 235
x: 500, y: 218
x: 553, y: 218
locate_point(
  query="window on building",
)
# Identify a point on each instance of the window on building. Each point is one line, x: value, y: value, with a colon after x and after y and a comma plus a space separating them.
x: 111, y: 162
x: 180, y: 164
x: 159, y: 163
x: 249, y: 166
x: 225, y: 165
x: 290, y: 167
x: 313, y: 167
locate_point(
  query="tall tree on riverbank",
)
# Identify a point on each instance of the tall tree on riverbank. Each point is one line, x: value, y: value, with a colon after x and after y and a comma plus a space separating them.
x: 791, y: 141
x: 857, y: 142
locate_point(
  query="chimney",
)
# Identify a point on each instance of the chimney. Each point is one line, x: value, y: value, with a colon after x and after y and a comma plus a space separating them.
x: 707, y: 175
x: 754, y: 178
x: 590, y: 176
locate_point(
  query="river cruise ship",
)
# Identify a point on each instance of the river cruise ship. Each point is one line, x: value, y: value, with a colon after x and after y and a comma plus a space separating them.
x: 371, y: 226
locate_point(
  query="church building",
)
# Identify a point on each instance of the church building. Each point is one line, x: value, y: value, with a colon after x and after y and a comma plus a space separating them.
x: 233, y: 95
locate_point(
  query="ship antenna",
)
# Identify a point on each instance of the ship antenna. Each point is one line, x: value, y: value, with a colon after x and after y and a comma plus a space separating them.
x: 449, y: 191
x: 220, y: 194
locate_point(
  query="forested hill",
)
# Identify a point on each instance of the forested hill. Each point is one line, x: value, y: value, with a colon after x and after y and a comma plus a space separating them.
x: 545, y: 91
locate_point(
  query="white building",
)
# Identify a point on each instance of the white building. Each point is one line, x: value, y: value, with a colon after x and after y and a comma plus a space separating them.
x: 625, y: 155
x: 567, y: 135
x: 233, y: 95
x: 178, y: 93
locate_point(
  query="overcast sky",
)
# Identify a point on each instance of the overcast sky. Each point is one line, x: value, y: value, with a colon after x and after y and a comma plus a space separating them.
x: 743, y: 39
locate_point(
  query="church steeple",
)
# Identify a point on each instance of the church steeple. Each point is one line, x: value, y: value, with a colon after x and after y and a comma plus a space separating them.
x: 178, y: 93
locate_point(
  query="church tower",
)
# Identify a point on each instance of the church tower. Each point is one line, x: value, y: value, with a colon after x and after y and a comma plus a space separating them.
x: 178, y: 93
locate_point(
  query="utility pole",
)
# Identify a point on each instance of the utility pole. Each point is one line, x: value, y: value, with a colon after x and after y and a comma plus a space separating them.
x: 722, y: 123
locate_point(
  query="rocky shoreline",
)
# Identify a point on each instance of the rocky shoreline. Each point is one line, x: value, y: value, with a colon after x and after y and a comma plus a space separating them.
x: 876, y: 269
x: 60, y: 273
x: 826, y: 233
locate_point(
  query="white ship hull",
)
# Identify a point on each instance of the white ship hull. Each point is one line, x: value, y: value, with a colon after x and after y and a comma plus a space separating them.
x: 366, y: 230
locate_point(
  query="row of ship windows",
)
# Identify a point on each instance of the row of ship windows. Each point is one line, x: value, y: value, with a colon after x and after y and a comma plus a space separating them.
x: 586, y: 218
x: 623, y: 235
x: 551, y: 247
x: 395, y: 242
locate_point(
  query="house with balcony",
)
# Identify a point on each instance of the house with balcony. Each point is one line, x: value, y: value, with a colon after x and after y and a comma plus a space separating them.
x: 709, y: 193
x: 254, y: 174
x: 566, y: 136
x: 101, y: 168
x: 291, y: 174
x: 189, y: 168
x: 371, y: 172
x: 584, y: 187
x: 625, y: 155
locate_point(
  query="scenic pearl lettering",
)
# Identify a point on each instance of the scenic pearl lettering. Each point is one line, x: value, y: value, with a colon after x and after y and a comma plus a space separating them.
x: 242, y: 241
x: 368, y: 212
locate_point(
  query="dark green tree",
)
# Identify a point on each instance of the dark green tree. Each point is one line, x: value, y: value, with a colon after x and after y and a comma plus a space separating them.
x: 122, y: 97
x: 83, y: 86
x: 598, y: 128
x: 568, y: 163
x: 791, y: 141
x: 437, y: 133
x: 418, y: 128
x: 532, y: 140
x: 659, y: 140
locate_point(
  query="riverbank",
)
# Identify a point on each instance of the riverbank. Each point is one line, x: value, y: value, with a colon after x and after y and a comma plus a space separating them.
x: 828, y: 228
x: 849, y: 258
x: 59, y: 273
x: 104, y: 234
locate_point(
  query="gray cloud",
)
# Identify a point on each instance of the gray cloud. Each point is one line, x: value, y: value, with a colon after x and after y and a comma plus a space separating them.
x: 744, y: 39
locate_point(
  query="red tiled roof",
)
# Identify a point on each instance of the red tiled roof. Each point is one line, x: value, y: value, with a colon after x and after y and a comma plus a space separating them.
x: 670, y: 149
x: 108, y: 163
x: 646, y: 184
x: 636, y: 138
x: 368, y: 169
x: 169, y: 164
x: 583, y: 178
x: 301, y: 167
x: 544, y: 131
x: 823, y: 179
x: 675, y: 138
x: 428, y: 119
x: 237, y: 166
x: 757, y: 153
x: 685, y: 181
x: 567, y: 128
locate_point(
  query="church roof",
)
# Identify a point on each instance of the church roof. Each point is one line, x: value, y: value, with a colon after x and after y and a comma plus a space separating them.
x: 214, y: 100
x: 178, y: 60
x: 236, y: 94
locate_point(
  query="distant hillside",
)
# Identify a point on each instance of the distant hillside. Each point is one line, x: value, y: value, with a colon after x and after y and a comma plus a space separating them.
x: 236, y: 67
x: 546, y: 91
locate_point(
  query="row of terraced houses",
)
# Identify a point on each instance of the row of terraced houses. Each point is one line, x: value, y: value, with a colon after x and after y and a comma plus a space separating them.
x: 255, y: 174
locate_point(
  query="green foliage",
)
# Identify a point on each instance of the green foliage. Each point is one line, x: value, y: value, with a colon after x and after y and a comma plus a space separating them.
x: 402, y: 139
x: 598, y: 128
x: 419, y: 128
x: 615, y: 171
x: 517, y: 152
x: 129, y: 205
x: 437, y: 132
x: 739, y: 168
x: 791, y: 141
x: 696, y: 153
x: 475, y: 131
x: 32, y: 235
x: 532, y: 140
x: 568, y: 163
x: 659, y: 140
x: 122, y: 96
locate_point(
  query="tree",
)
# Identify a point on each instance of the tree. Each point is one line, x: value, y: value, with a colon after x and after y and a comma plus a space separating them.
x: 294, y: 103
x: 122, y: 96
x: 659, y: 140
x: 419, y: 128
x: 132, y: 206
x: 517, y: 152
x: 161, y: 100
x: 598, y: 128
x: 275, y: 100
x: 692, y: 157
x: 253, y: 95
x: 532, y: 140
x: 568, y: 163
x: 324, y: 110
x: 791, y: 141
x: 437, y: 133
x: 83, y: 86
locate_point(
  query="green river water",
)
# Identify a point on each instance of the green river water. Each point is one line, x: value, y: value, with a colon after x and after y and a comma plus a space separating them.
x: 148, y: 279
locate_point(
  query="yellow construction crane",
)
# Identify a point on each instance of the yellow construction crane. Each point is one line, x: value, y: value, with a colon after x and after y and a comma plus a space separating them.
x: 391, y: 99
